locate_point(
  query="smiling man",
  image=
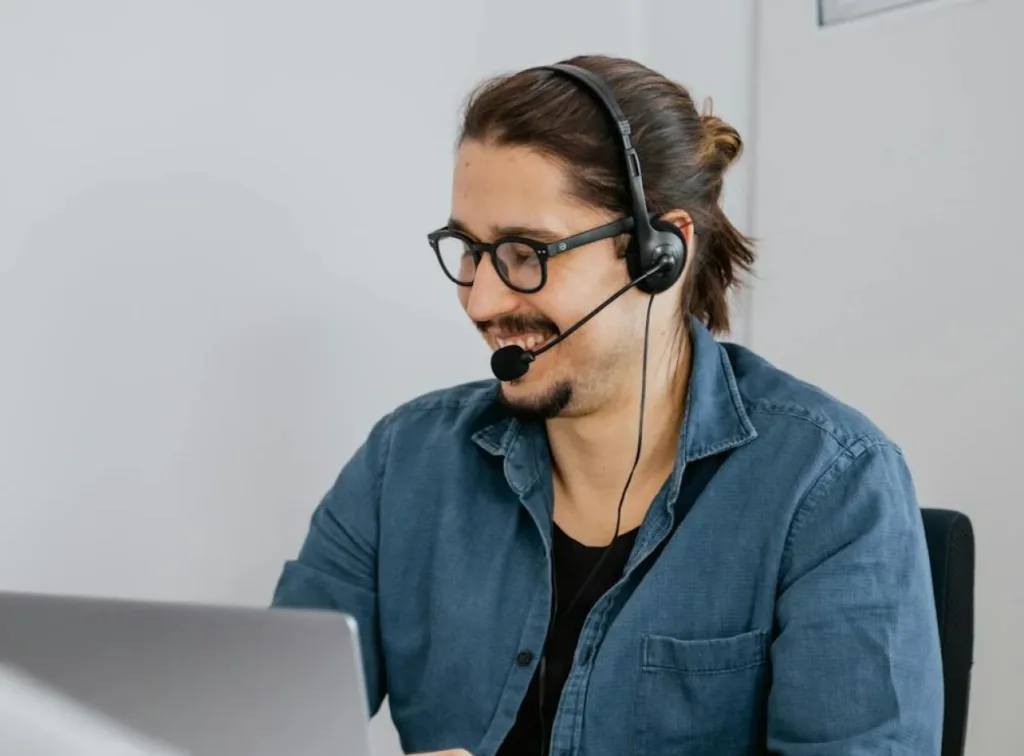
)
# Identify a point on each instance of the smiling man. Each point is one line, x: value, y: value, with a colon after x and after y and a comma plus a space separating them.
x: 638, y: 539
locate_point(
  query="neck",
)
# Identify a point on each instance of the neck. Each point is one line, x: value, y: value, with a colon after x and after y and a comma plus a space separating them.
x: 593, y: 454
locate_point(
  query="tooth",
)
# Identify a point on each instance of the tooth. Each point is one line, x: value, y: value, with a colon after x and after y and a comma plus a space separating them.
x: 531, y: 342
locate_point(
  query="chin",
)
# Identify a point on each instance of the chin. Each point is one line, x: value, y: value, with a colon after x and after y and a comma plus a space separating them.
x: 535, y: 402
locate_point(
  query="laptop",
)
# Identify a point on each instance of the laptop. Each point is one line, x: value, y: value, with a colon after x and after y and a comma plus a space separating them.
x: 193, y: 680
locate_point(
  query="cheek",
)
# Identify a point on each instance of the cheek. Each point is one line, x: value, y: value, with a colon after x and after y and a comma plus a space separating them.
x: 615, y: 330
x: 463, y: 294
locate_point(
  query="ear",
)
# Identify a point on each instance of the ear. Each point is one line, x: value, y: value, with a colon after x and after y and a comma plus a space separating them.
x: 684, y: 222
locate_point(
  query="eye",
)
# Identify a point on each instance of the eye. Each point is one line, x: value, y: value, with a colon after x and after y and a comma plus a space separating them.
x: 518, y: 254
x: 520, y: 264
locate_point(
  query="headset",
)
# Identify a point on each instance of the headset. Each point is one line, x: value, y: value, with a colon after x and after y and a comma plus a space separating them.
x: 656, y: 245
x: 656, y: 253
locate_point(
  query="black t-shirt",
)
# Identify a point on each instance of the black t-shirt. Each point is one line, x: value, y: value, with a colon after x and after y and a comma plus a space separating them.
x: 573, y: 563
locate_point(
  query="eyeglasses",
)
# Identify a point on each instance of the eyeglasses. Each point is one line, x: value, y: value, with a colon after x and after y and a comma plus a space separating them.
x: 521, y: 263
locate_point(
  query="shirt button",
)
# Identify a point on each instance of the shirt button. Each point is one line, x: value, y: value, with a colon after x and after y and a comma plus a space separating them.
x: 523, y: 658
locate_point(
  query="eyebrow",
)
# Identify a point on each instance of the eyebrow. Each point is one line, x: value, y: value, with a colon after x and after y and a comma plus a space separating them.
x: 530, y: 232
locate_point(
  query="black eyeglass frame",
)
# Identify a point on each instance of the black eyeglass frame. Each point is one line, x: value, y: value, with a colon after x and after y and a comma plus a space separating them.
x: 545, y: 251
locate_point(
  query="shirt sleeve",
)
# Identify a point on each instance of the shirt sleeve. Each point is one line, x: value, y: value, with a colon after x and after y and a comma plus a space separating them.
x: 856, y: 663
x: 336, y: 568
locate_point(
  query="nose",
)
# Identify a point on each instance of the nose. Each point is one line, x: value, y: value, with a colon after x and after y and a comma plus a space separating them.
x: 488, y: 297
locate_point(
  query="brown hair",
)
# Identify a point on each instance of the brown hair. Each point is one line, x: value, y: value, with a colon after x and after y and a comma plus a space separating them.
x: 684, y: 156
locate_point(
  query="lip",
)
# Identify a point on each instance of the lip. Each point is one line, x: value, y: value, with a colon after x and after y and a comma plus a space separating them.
x: 527, y: 341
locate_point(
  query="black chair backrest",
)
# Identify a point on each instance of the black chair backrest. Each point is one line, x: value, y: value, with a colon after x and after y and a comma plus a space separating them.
x: 950, y: 539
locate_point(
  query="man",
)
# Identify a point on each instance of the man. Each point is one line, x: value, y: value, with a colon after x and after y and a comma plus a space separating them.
x: 532, y: 574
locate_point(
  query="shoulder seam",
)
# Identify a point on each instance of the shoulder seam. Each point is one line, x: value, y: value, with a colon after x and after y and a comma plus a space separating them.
x: 800, y: 413
x: 842, y: 461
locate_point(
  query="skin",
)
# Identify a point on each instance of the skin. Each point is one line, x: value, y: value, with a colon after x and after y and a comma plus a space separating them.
x: 593, y: 439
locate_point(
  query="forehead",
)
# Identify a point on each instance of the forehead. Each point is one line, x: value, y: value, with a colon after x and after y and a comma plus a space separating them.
x: 499, y: 187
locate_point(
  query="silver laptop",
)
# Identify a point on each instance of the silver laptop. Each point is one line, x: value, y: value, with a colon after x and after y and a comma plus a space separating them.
x: 197, y: 680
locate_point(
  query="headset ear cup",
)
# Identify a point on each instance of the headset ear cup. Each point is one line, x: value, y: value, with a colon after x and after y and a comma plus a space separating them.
x: 668, y: 240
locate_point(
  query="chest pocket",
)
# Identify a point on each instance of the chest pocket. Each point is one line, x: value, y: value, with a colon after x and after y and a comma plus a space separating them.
x: 700, y: 697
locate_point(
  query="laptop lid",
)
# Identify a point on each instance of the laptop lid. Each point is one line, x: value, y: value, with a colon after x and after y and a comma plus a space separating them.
x: 39, y: 721
x: 204, y: 680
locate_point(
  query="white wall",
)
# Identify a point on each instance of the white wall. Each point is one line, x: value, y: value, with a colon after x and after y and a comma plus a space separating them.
x: 212, y: 223
x: 888, y: 198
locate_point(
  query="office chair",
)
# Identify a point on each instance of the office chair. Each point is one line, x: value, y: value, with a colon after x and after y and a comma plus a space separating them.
x: 950, y: 539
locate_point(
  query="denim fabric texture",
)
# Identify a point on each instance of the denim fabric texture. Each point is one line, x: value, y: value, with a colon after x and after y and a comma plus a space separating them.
x: 790, y: 612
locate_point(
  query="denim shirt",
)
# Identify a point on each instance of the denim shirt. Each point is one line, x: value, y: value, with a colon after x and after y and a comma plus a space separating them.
x: 790, y: 612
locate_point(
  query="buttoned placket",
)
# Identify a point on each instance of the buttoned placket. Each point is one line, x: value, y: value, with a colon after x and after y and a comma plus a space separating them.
x: 567, y: 731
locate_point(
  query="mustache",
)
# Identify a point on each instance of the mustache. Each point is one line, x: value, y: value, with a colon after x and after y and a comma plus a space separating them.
x: 519, y: 324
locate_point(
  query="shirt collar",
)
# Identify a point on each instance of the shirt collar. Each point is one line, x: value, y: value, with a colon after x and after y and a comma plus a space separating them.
x: 715, y: 419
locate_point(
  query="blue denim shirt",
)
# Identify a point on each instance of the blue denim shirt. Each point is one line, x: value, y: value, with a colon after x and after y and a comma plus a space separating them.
x: 791, y: 611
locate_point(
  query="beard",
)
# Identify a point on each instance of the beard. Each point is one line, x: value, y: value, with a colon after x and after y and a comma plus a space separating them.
x: 537, y: 407
x: 532, y: 409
